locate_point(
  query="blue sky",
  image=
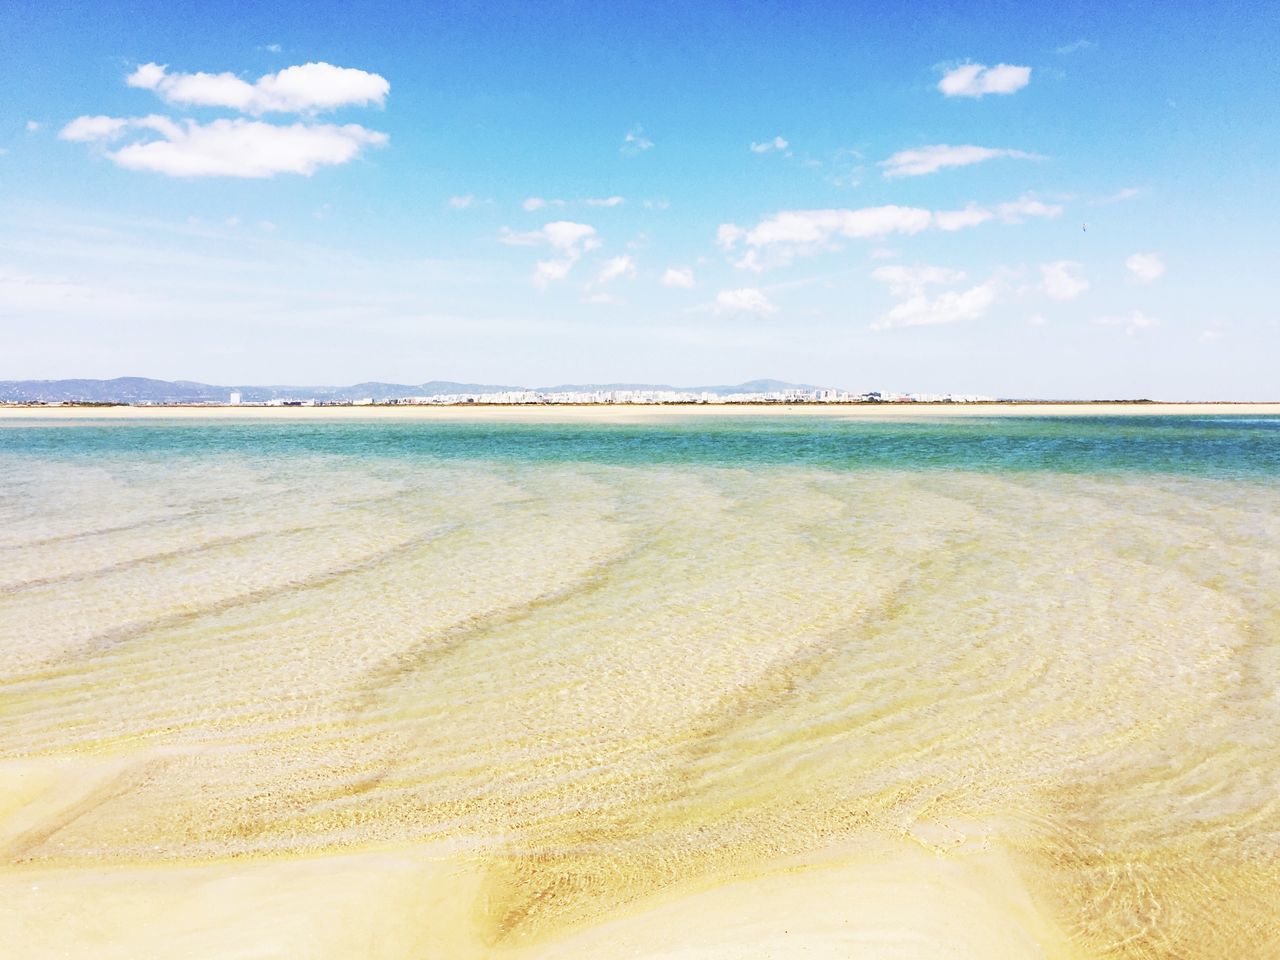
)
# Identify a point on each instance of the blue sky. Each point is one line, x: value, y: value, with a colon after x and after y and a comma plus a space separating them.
x: 854, y: 195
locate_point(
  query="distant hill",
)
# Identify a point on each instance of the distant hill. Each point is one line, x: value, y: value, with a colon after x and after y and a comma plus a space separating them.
x: 145, y: 390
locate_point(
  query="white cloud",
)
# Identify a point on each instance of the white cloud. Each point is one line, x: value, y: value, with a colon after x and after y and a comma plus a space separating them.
x: 918, y: 309
x: 972, y: 215
x: 549, y: 271
x: 781, y: 238
x: 615, y: 267
x: 1145, y: 267
x: 931, y: 159
x: 274, y: 47
x: 307, y: 88
x: 462, y: 202
x: 1132, y: 322
x: 1127, y: 193
x: 32, y: 126
x: 949, y: 307
x: 728, y: 235
x: 563, y: 235
x: 88, y: 129
x: 1015, y: 211
x: 533, y: 203
x: 1037, y: 320
x: 636, y: 142
x: 225, y: 148
x: 977, y: 80
x: 1075, y: 47
x: 570, y: 240
x: 604, y: 201
x: 777, y: 143
x: 910, y: 281
x: 1060, y: 281
x: 744, y: 300
x: 678, y: 277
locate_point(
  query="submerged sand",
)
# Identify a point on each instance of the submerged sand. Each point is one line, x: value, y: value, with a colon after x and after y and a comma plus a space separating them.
x: 323, y: 707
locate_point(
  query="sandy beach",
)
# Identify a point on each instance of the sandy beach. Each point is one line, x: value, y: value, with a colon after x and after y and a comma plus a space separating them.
x: 386, y: 687
x: 635, y: 413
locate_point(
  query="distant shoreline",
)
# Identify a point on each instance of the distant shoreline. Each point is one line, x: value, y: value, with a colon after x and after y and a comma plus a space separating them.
x: 621, y: 413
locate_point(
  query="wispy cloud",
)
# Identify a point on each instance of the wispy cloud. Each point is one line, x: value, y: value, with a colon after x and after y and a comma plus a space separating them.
x: 224, y: 148
x: 635, y: 142
x: 569, y: 240
x: 462, y: 202
x: 924, y: 160
x: 978, y: 80
x: 1075, y: 46
x: 307, y: 88
x: 917, y: 308
x: 1126, y: 193
x: 615, y: 267
x: 1060, y: 281
x: 1131, y: 323
x: 745, y: 300
x: 768, y: 146
x: 1145, y: 267
x: 678, y: 277
x: 785, y: 236
x: 604, y: 201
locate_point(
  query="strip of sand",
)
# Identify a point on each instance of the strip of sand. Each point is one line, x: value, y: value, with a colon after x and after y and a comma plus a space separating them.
x: 628, y: 413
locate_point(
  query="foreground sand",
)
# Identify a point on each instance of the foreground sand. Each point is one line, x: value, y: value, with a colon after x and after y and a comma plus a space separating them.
x: 628, y: 413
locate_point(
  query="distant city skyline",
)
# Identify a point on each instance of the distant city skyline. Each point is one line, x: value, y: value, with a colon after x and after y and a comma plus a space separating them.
x: 1006, y: 201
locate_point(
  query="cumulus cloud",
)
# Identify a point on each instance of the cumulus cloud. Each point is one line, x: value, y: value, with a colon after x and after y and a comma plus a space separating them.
x: 462, y: 202
x: 1060, y: 280
x: 917, y: 308
x: 1145, y: 267
x: 793, y: 233
x: 225, y: 148
x: 563, y: 235
x: 89, y: 129
x: 307, y: 88
x: 568, y: 239
x: 746, y: 300
x: 678, y: 277
x: 768, y: 146
x: 978, y: 80
x: 615, y: 267
x: 924, y: 160
x: 1131, y: 322
x: 636, y: 142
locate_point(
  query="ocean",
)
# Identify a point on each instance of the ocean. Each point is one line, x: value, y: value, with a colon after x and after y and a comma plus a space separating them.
x: 1000, y: 686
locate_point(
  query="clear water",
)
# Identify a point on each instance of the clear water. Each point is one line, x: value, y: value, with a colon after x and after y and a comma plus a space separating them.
x: 603, y: 659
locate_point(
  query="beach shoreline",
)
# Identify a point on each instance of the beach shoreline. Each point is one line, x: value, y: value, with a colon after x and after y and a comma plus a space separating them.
x: 631, y: 413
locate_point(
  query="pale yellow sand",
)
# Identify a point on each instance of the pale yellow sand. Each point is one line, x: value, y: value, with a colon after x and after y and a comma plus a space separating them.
x: 316, y: 707
x: 628, y: 413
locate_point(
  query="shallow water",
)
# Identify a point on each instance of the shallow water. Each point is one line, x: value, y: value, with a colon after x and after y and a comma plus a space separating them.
x: 596, y: 663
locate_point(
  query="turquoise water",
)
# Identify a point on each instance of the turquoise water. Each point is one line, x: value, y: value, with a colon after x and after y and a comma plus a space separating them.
x: 594, y: 662
x: 1215, y: 447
